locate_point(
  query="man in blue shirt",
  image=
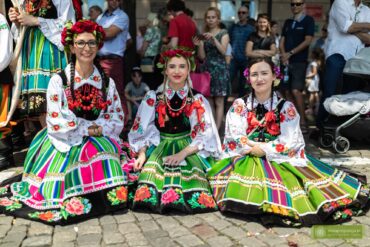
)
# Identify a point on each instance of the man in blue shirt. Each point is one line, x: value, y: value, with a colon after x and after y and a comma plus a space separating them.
x: 116, y: 24
x: 239, y: 34
x: 297, y: 35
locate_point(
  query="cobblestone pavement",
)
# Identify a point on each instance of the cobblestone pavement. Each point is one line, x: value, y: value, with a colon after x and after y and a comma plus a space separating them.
x: 210, y: 229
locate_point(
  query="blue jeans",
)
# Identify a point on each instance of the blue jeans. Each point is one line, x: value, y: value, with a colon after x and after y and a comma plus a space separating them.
x: 236, y: 71
x: 333, y: 78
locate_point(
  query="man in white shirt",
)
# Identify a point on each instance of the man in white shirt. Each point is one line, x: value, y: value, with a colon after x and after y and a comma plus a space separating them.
x: 349, y: 27
x: 116, y: 24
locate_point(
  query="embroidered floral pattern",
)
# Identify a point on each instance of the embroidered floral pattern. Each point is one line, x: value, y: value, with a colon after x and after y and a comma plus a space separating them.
x: 202, y: 200
x: 49, y: 216
x: 9, y: 204
x: 36, y: 101
x: 150, y: 102
x: 271, y: 208
x: 54, y: 98
x: 146, y: 194
x: 174, y: 196
x: 37, y: 7
x: 75, y: 206
x: 331, y: 206
x: 137, y: 126
x: 4, y: 190
x: 117, y: 195
x: 284, y: 150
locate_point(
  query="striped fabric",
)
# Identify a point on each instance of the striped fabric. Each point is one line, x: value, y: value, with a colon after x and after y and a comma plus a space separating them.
x: 301, y: 194
x: 50, y: 177
x: 188, y: 179
x: 40, y: 61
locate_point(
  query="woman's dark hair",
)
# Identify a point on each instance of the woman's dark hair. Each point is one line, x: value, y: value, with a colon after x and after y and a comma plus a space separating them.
x: 176, y: 5
x: 319, y: 55
x: 189, y: 12
x: 272, y: 65
x: 96, y: 8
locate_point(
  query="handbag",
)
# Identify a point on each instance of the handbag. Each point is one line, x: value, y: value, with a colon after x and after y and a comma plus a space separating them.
x: 201, y: 82
x: 147, y: 65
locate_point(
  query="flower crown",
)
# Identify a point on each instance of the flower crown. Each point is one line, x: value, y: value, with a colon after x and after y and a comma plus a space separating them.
x: 178, y: 52
x: 71, y: 30
x: 277, y: 72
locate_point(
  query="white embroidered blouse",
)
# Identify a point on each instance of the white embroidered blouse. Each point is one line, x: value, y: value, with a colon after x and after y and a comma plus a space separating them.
x: 6, y: 41
x: 287, y: 147
x: 52, y: 28
x: 145, y: 133
x: 64, y: 128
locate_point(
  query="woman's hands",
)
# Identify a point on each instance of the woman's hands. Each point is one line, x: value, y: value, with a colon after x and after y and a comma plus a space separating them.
x: 22, y: 18
x: 95, y: 130
x: 139, y: 162
x: 256, y: 150
x: 175, y: 159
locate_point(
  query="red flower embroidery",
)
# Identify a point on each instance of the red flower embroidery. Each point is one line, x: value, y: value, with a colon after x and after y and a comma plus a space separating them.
x: 279, y: 148
x: 96, y: 78
x: 161, y: 110
x: 77, y: 79
x: 71, y: 124
x: 273, y: 129
x: 232, y: 145
x: 54, y: 97
x: 75, y: 206
x: 347, y: 211
x: 142, y: 194
x: 302, y: 154
x: 238, y: 109
x: 46, y: 216
x: 150, y: 101
x: 292, y: 153
x: 282, y: 118
x: 169, y: 196
x: 118, y: 109
x: 106, y: 116
x: 206, y: 200
x: 136, y: 124
x: 121, y: 117
x: 56, y: 127
x: 115, y: 97
x: 193, y: 134
x: 54, y: 114
x: 291, y: 112
x: 121, y: 193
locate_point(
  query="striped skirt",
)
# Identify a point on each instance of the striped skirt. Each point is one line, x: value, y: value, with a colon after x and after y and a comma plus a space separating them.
x: 40, y: 61
x: 60, y: 188
x: 184, y: 187
x: 286, y: 194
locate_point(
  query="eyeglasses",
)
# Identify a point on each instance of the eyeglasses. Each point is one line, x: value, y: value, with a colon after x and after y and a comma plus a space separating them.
x: 242, y: 12
x: 91, y: 44
x: 296, y: 4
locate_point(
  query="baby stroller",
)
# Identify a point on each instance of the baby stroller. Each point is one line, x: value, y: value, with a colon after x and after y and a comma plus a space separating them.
x: 350, y: 111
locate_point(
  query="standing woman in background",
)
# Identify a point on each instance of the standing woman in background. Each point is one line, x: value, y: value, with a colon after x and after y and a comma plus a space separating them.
x: 42, y: 50
x: 261, y: 43
x: 212, y: 46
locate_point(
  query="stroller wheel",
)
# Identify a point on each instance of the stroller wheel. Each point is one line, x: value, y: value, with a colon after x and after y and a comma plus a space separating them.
x: 341, y: 145
x: 326, y: 140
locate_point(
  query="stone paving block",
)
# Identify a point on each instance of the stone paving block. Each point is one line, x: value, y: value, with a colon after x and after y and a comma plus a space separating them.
x: 167, y: 222
x: 163, y: 242
x: 208, y: 217
x: 38, y: 229
x: 219, y: 241
x: 127, y: 228
x: 188, y: 220
x: 85, y: 230
x: 37, y: 241
x: 149, y: 225
x: 6, y: 220
x: 89, y: 239
x: 253, y: 228
x: 157, y: 216
x: 220, y: 224
x: 234, y: 232
x: 204, y: 231
x: 301, y: 239
x: 189, y: 240
x: 110, y: 228
x: 21, y: 222
x: 113, y: 238
x: 124, y: 218
x: 65, y: 236
x: 65, y: 228
x: 252, y: 242
x: 332, y: 242
x: 285, y: 231
x: 4, y: 230
x: 178, y: 231
x: 15, y: 237
x: 63, y: 244
x: 142, y: 216
x: 90, y: 222
x: 272, y: 239
x: 107, y: 220
x: 18, y: 229
x: 346, y: 245
x: 136, y: 239
x: 155, y: 234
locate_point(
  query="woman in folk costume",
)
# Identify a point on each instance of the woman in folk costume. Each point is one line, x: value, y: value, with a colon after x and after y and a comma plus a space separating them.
x: 265, y: 171
x: 42, y: 51
x: 6, y: 83
x: 176, y: 139
x: 72, y: 169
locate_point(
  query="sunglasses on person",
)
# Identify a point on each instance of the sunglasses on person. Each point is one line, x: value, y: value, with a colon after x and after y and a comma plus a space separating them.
x: 242, y: 12
x: 91, y: 43
x: 296, y: 4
